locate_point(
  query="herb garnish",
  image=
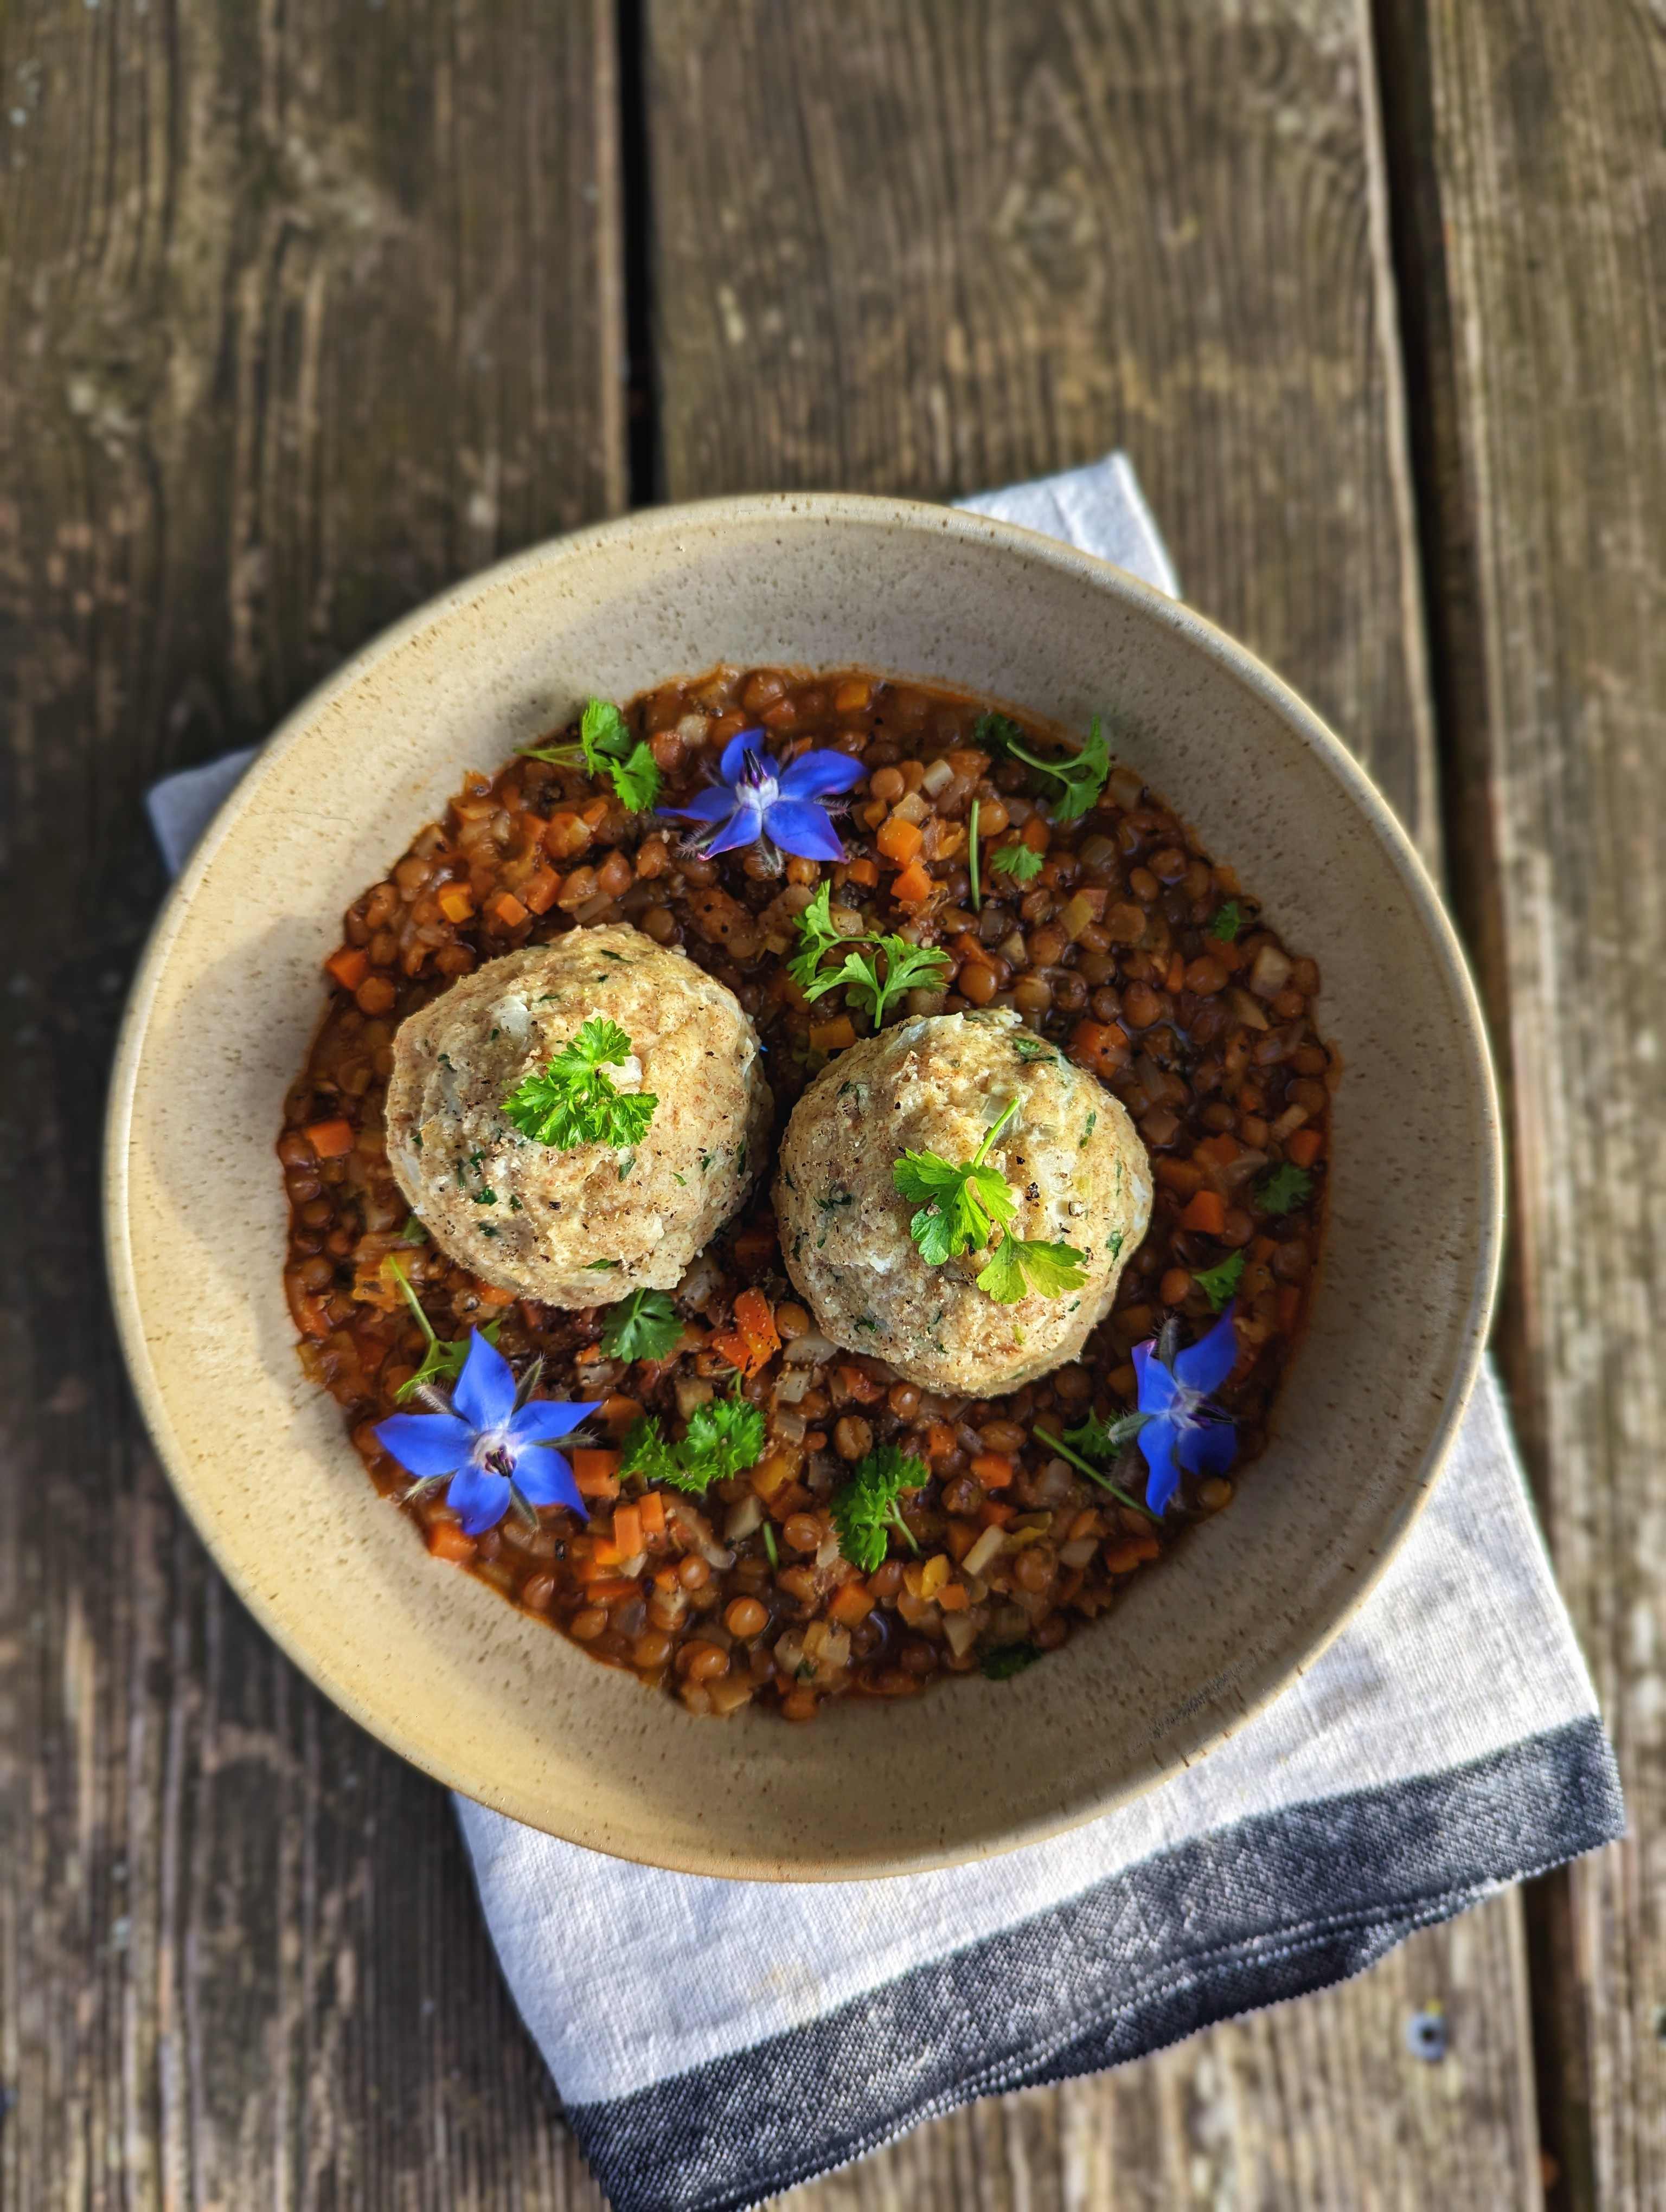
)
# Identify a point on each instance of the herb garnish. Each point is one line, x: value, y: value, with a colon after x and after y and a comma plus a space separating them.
x: 723, y: 1435
x: 971, y: 857
x: 644, y: 1326
x: 1021, y: 861
x: 1228, y: 920
x: 605, y: 747
x: 443, y: 1359
x: 1093, y: 1440
x: 995, y: 734
x: 1081, y: 774
x: 1217, y: 1284
x: 1282, y: 1191
x: 576, y: 1102
x: 1011, y: 1659
x: 865, y: 1510
x: 960, y: 1209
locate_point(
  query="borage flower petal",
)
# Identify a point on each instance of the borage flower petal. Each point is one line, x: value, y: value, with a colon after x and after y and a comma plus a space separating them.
x: 427, y: 1444
x: 800, y: 827
x: 486, y: 1391
x: 754, y: 799
x: 479, y: 1497
x: 1157, y: 1443
x: 744, y: 827
x: 1204, y: 1366
x: 813, y: 774
x: 543, y: 1420
x: 544, y: 1478
x: 1185, y: 1427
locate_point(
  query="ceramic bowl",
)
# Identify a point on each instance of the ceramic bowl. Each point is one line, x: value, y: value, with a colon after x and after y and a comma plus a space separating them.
x: 434, y: 1661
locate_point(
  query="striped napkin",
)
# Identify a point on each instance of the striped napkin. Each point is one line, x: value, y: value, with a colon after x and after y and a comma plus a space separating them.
x: 716, y: 2042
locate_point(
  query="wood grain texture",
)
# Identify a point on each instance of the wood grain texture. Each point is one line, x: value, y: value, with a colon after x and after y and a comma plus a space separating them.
x: 943, y: 246
x: 304, y: 310
x: 1547, y: 238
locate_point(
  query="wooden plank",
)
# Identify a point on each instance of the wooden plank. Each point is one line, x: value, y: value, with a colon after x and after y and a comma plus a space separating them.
x: 303, y: 311
x: 937, y: 248
x: 1539, y: 238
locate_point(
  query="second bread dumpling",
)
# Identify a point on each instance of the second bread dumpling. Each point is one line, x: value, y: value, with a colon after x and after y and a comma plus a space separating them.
x: 952, y: 1090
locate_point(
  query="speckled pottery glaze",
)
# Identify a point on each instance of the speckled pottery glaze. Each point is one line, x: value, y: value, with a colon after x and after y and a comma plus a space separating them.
x: 432, y: 1661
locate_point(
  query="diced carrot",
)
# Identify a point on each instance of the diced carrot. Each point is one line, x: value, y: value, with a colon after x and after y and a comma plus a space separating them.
x: 939, y: 1440
x: 862, y: 872
x: 1263, y: 1247
x: 1182, y: 1175
x: 1034, y: 834
x: 628, y: 1530
x: 652, y: 1507
x: 994, y: 1470
x: 611, y: 1587
x: 455, y: 902
x: 775, y: 1468
x: 953, y: 1598
x: 755, y: 1318
x: 850, y: 1604
x: 731, y: 1345
x: 618, y: 1412
x: 329, y: 1139
x: 960, y: 1536
x: 993, y: 1515
x: 1220, y: 1151
x: 1206, y: 1212
x: 913, y: 886
x: 606, y: 1554
x: 538, y: 892
x: 348, y: 966
x: 507, y: 910
x: 447, y: 1541
x: 836, y: 1036
x: 1123, y: 1558
x: 596, y: 1473
x: 900, y: 841
x: 1305, y: 1147
x: 490, y: 1294
x: 1102, y: 1046
x: 969, y: 948
x: 1290, y: 1305
x: 858, y: 1388
x: 1176, y: 978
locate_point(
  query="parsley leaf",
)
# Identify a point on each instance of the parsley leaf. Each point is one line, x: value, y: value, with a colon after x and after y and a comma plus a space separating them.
x: 1021, y: 861
x: 607, y: 748
x: 1228, y: 920
x: 644, y: 1326
x: 908, y: 967
x: 1081, y: 775
x: 1217, y: 1284
x: 960, y: 1209
x: 1283, y: 1190
x: 1011, y: 1659
x: 723, y: 1435
x: 1019, y: 1266
x: 865, y: 1510
x: 576, y: 1101
x: 818, y: 933
x: 995, y: 734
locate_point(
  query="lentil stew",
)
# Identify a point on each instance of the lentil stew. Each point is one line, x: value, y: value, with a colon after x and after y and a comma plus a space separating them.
x: 1111, y: 935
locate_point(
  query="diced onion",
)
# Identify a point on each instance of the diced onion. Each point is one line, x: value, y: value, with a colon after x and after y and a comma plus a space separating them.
x: 1080, y: 1553
x: 984, y: 1551
x: 938, y: 773
x: 959, y: 1632
x: 810, y: 1348
x: 744, y: 1516
x: 791, y: 1386
x: 1270, y: 973
x: 1246, y: 1011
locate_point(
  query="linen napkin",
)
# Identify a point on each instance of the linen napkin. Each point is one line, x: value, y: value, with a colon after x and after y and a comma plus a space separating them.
x: 716, y: 2042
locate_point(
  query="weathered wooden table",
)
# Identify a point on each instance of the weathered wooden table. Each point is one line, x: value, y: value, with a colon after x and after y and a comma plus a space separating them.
x: 311, y: 307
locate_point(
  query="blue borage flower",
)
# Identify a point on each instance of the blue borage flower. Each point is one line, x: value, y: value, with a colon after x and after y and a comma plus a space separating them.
x: 491, y: 1447
x: 1179, y: 1425
x: 755, y: 796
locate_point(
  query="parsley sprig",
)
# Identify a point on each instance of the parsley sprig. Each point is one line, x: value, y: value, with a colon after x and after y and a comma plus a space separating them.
x: 960, y: 1209
x: 723, y: 1436
x: 1287, y: 1188
x: 1094, y: 1441
x: 442, y: 1362
x: 864, y: 1511
x: 1081, y: 775
x: 1021, y: 861
x: 605, y: 747
x: 576, y: 1101
x: 908, y: 966
x: 1227, y: 921
x: 1217, y: 1284
x: 644, y: 1326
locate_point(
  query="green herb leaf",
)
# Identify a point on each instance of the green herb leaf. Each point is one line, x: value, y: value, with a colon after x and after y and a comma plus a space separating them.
x: 574, y: 1101
x: 609, y: 750
x: 644, y: 1326
x: 818, y: 933
x: 1011, y: 1659
x: 1217, y: 1284
x: 1019, y: 1266
x: 1092, y: 1441
x: 865, y: 1510
x: 995, y: 734
x: 1285, y: 1188
x: 960, y: 1207
x: 908, y: 967
x: 1228, y: 920
x: 971, y: 858
x: 1081, y: 774
x: 1021, y: 861
x: 723, y: 1435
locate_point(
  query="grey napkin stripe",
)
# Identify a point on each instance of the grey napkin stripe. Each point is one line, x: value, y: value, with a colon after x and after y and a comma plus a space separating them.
x: 750, y: 2039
